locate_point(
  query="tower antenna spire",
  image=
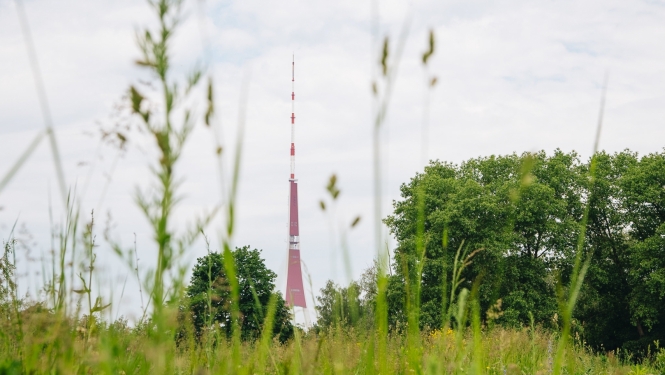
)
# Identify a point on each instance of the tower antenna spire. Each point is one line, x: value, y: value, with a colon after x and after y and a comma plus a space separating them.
x: 293, y: 117
x: 295, y: 293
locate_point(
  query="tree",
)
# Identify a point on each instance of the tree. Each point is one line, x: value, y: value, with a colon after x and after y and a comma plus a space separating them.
x: 351, y: 306
x: 525, y: 213
x: 623, y: 301
x: 518, y: 209
x: 644, y: 188
x: 209, y: 295
x: 338, y: 306
x: 603, y: 305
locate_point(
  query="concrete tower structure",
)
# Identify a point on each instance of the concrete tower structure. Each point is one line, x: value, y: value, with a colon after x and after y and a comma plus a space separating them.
x: 295, y: 292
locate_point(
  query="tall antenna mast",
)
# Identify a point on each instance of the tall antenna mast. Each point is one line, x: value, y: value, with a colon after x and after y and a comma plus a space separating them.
x: 293, y: 118
x: 295, y: 293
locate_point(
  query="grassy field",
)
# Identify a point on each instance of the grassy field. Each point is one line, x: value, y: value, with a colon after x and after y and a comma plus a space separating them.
x: 44, y: 343
x: 65, y: 334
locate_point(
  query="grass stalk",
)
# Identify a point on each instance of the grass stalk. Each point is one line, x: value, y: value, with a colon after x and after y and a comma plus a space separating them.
x: 567, y: 305
x: 43, y: 103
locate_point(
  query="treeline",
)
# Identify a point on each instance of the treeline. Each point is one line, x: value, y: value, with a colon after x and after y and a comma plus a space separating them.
x: 514, y: 225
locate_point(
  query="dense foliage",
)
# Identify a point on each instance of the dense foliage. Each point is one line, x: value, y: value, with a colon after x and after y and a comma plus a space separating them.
x: 351, y: 306
x: 624, y: 300
x: 523, y: 214
x: 209, y: 295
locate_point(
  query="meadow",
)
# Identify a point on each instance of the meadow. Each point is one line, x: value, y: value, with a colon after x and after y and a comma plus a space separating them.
x: 66, y: 332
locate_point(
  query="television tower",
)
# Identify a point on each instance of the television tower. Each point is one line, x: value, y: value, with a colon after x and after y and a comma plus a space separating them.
x: 295, y: 293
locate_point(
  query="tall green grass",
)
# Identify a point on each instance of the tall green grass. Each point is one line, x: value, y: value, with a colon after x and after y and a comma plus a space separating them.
x: 67, y: 333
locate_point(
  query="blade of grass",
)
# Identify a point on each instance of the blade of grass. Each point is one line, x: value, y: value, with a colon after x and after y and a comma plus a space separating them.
x: 264, y: 345
x: 22, y: 159
x: 580, y: 268
x: 43, y: 99
x: 380, y: 110
x: 229, y: 264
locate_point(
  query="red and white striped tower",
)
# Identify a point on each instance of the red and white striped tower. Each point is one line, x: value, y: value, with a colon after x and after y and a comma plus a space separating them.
x: 295, y: 293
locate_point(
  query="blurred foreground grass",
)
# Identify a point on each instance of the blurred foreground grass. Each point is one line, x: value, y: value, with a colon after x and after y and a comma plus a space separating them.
x: 46, y: 343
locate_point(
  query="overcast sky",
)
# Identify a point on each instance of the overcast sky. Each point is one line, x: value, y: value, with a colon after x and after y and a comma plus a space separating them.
x: 513, y: 76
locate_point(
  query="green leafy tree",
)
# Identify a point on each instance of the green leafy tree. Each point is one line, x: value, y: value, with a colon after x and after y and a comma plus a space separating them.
x: 209, y: 295
x: 644, y: 187
x: 518, y: 209
x: 603, y: 305
x: 338, y: 306
x: 623, y: 300
x: 351, y: 306
x: 524, y: 212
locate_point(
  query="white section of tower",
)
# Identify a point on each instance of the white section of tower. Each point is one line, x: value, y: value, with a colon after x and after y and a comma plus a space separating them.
x: 293, y: 120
